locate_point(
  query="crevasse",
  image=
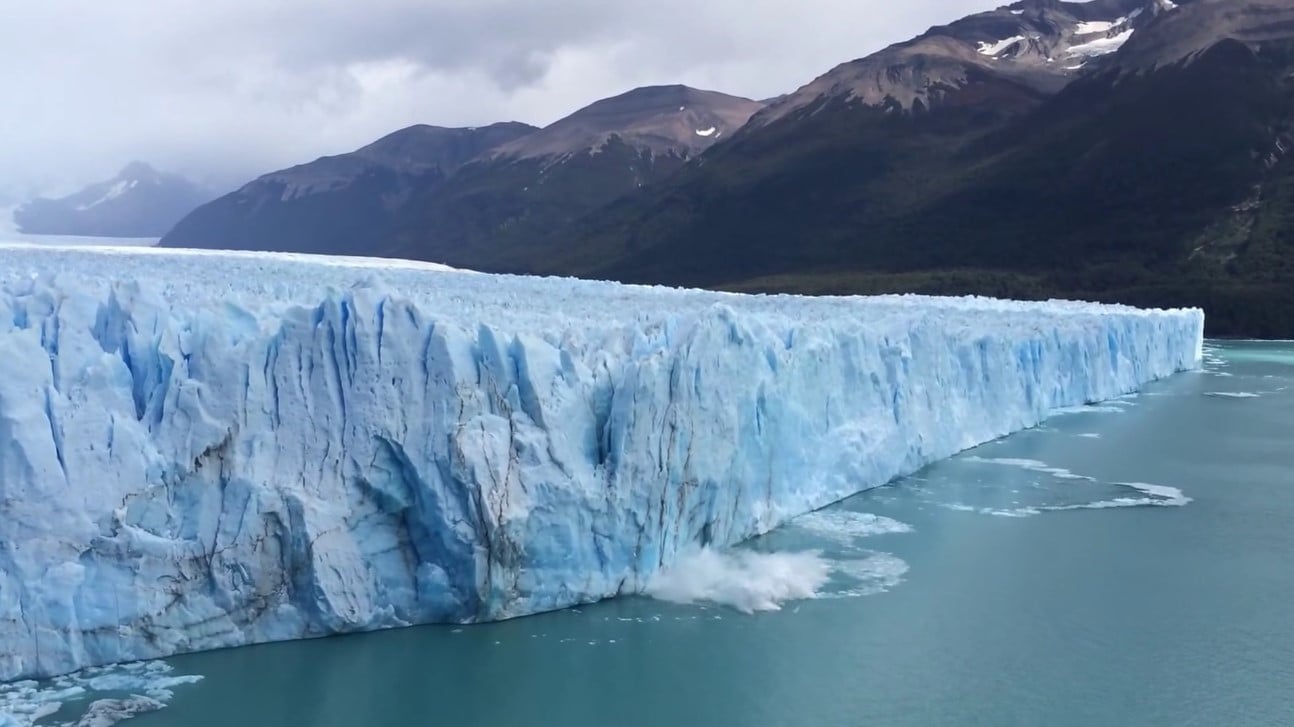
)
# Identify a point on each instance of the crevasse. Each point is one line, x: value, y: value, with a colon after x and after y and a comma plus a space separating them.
x: 204, y: 450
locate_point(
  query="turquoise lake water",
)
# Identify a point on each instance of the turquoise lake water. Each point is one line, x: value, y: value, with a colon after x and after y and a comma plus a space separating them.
x: 1017, y: 584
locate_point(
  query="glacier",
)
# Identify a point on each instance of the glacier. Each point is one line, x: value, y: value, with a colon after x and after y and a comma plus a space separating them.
x: 203, y: 450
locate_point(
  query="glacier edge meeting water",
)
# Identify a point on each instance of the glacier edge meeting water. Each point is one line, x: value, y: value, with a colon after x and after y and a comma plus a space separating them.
x: 202, y: 451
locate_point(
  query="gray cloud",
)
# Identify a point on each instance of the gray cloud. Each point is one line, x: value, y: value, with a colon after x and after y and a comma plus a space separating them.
x: 225, y: 90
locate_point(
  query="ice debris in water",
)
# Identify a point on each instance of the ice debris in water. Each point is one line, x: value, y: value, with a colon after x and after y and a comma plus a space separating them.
x: 876, y: 573
x: 95, y: 697
x: 845, y: 526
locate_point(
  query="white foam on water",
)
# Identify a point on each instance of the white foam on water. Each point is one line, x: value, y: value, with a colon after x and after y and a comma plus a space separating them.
x: 1156, y: 496
x: 1107, y: 408
x: 1017, y: 512
x: 749, y: 581
x: 845, y: 526
x: 877, y: 573
x: 1213, y: 357
x: 1032, y: 465
x: 745, y: 580
x: 124, y: 691
x: 1090, y: 435
x: 1234, y: 394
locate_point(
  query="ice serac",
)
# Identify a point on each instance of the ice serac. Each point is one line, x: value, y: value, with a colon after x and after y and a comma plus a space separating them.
x: 213, y: 450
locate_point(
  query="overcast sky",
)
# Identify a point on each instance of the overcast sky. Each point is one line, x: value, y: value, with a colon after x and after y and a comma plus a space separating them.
x: 223, y: 90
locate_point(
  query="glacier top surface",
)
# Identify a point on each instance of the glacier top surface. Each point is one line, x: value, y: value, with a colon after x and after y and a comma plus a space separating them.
x: 266, y: 284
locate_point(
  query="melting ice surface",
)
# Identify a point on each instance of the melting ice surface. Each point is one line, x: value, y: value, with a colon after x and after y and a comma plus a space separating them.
x: 207, y: 450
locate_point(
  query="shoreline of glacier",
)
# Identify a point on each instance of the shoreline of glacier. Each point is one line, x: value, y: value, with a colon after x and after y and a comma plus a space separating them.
x: 216, y: 451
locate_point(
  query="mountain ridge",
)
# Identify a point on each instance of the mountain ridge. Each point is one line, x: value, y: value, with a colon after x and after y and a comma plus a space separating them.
x: 1121, y: 187
x: 339, y: 203
x: 643, y: 118
x: 1035, y: 43
x: 512, y: 184
x: 138, y: 202
x: 1118, y: 150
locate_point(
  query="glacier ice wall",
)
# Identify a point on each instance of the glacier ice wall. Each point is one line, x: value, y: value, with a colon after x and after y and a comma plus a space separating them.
x: 201, y: 450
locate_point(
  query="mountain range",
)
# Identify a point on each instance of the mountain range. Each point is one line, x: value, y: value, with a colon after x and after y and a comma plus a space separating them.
x: 474, y: 190
x: 138, y: 202
x: 1120, y: 150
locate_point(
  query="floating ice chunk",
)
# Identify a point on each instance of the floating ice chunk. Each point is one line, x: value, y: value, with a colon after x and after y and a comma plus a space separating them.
x: 845, y: 526
x: 1107, y: 408
x: 100, y: 696
x: 1164, y: 494
x: 877, y: 573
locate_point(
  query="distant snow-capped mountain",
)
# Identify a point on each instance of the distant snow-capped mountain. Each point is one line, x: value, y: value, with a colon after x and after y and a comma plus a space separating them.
x: 339, y: 204
x: 138, y: 202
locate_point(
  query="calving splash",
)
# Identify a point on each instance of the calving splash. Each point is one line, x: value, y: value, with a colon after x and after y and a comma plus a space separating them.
x: 205, y: 451
x: 750, y: 580
x: 746, y: 580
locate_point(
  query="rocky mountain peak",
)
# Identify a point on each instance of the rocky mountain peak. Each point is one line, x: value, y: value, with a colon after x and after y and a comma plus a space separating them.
x: 656, y: 119
x: 1186, y: 29
x: 1038, y: 45
x: 139, y: 172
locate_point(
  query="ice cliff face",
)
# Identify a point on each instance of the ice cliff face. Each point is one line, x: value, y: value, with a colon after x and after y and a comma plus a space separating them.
x: 221, y: 450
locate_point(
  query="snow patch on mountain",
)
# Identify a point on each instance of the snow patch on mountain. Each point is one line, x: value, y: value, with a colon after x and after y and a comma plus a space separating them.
x: 996, y: 49
x: 1101, y: 46
x: 1098, y: 26
x: 118, y: 188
